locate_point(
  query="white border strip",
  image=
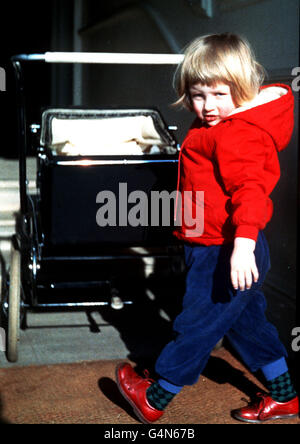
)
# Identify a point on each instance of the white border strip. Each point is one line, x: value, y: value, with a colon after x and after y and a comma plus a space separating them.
x: 88, y: 162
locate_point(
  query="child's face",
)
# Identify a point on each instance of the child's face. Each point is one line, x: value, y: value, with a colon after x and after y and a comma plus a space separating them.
x: 211, y: 103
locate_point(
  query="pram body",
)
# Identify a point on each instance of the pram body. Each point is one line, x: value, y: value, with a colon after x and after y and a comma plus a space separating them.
x: 104, y: 204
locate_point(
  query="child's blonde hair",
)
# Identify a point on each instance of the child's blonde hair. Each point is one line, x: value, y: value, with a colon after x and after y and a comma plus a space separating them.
x: 214, y: 58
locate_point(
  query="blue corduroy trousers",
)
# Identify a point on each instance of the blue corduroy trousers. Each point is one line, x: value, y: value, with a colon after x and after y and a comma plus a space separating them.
x: 212, y: 309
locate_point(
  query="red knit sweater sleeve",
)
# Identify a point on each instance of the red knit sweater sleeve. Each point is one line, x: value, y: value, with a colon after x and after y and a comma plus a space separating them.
x: 241, y: 152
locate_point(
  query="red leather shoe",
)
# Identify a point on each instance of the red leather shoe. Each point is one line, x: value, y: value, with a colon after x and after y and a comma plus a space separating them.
x: 266, y: 408
x: 133, y: 387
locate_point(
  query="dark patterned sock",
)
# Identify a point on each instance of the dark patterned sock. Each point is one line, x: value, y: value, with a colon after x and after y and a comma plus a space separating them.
x: 281, y: 388
x: 158, y: 397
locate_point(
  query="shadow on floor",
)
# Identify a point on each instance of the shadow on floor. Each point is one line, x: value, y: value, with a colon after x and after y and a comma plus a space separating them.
x: 2, y: 420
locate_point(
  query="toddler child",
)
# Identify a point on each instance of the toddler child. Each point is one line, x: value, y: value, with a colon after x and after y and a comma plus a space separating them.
x: 230, y: 154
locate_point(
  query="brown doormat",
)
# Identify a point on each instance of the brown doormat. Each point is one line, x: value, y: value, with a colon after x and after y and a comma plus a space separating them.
x: 86, y: 392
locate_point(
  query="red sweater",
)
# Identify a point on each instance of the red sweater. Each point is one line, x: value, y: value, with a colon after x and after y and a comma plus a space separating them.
x: 235, y: 164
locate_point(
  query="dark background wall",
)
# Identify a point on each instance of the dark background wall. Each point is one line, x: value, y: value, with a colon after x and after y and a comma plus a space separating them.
x: 272, y: 27
x: 25, y: 27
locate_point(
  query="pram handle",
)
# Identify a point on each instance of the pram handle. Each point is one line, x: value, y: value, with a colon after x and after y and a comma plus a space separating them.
x: 102, y: 58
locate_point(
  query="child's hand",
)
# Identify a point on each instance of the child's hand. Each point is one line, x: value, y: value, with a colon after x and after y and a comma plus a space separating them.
x: 243, y: 266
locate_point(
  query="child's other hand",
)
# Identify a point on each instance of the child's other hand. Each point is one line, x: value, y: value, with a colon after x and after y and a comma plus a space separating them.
x: 243, y: 265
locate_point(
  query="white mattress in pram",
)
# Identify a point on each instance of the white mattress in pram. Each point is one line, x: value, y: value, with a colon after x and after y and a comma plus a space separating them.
x: 117, y: 135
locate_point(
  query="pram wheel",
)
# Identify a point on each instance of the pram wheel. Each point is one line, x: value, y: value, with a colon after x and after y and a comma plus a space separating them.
x: 14, y: 305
